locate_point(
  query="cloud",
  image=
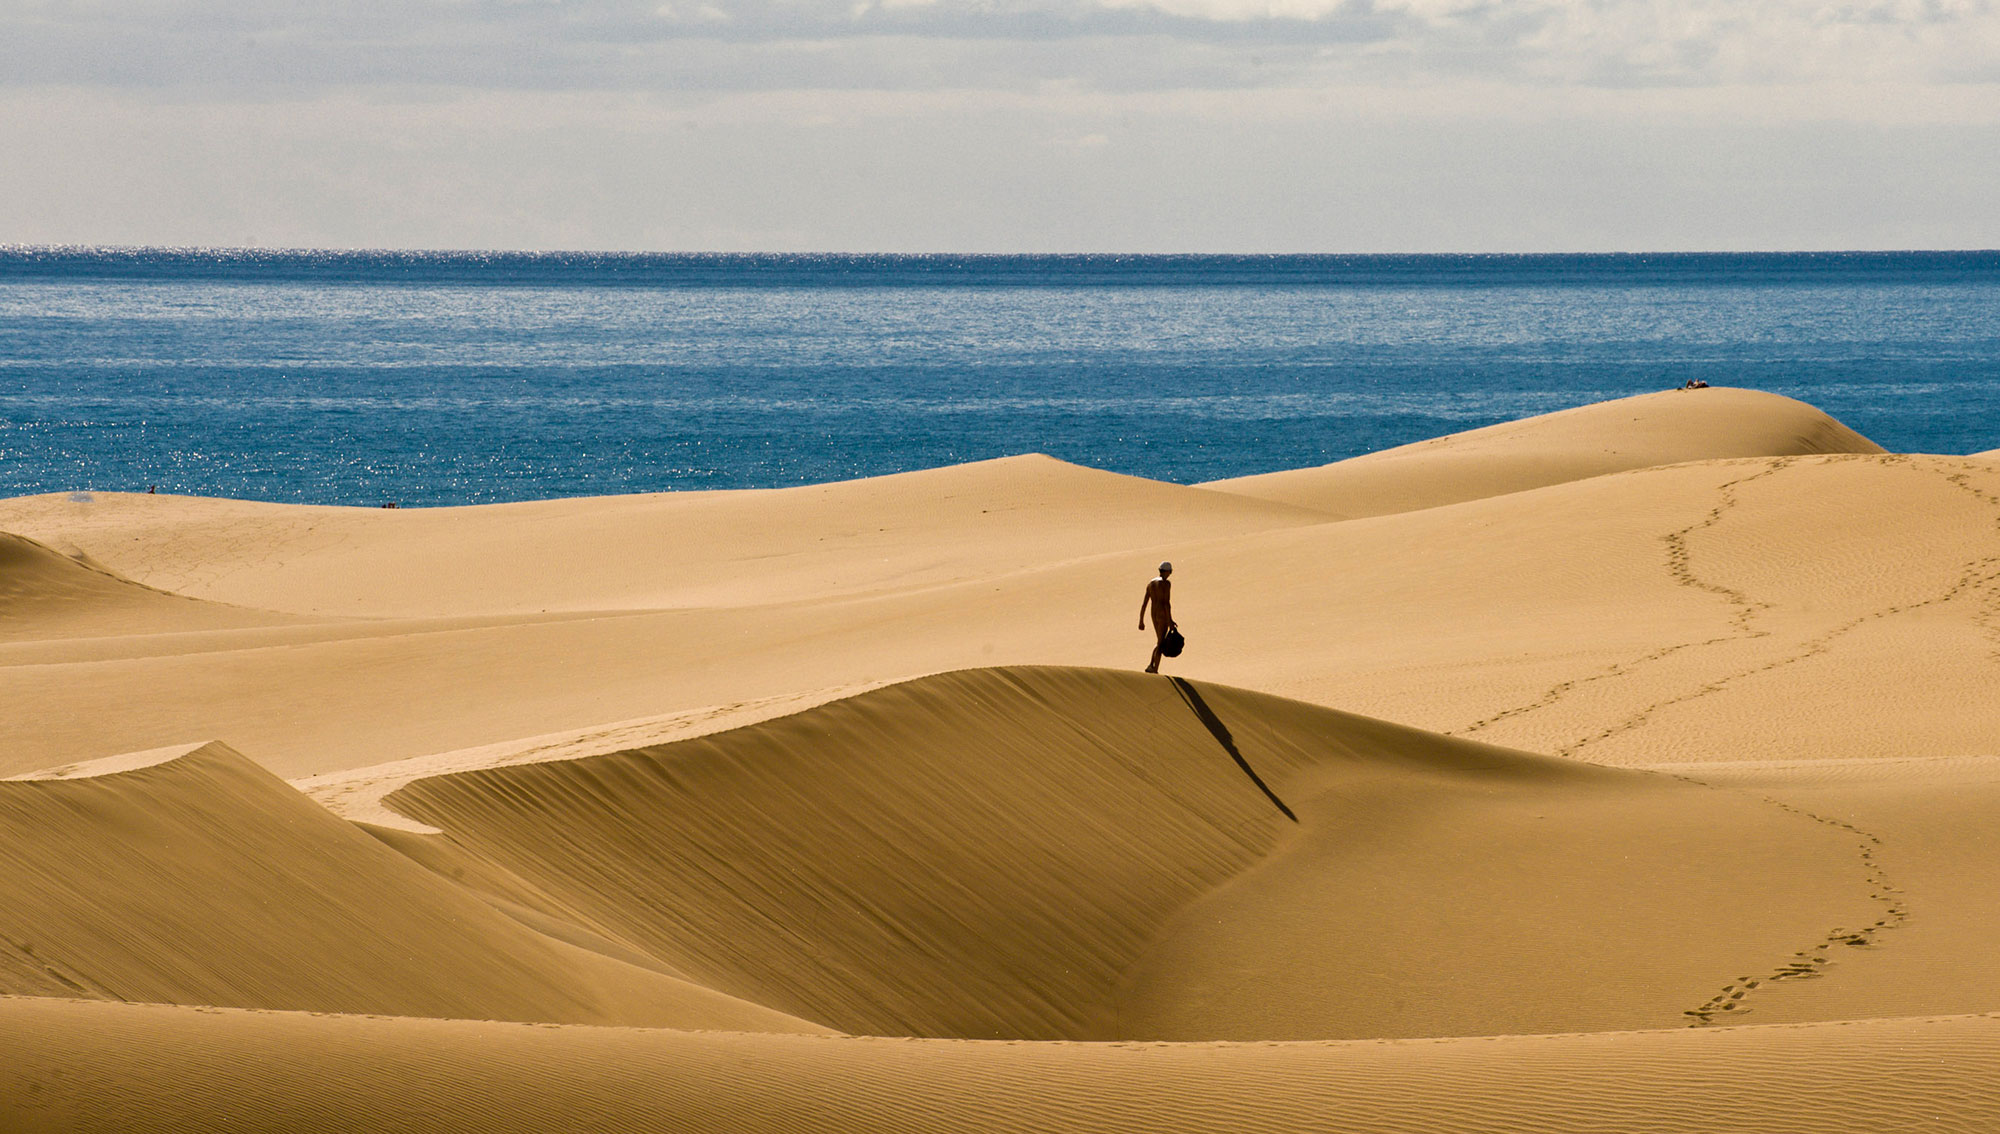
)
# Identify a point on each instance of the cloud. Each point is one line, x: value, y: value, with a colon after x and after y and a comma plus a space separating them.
x: 1005, y: 125
x: 680, y: 45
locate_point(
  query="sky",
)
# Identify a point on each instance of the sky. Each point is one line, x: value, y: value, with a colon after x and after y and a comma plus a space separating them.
x: 1003, y: 125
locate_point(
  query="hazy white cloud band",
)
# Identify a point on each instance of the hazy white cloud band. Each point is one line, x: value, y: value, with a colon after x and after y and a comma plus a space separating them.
x: 1003, y: 125
x: 929, y: 44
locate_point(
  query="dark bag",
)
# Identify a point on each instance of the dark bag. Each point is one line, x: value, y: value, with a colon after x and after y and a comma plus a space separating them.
x: 1172, y: 645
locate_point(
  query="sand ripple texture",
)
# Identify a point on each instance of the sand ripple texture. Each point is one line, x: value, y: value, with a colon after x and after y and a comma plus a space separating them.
x: 81, y: 1066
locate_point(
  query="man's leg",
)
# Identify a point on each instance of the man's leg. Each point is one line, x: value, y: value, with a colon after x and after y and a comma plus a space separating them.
x: 1159, y: 639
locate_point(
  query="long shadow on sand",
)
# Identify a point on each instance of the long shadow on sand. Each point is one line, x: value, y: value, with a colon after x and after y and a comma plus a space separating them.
x: 1221, y: 733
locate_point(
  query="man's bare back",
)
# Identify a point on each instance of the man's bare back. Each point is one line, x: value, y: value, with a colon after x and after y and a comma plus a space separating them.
x: 1159, y: 599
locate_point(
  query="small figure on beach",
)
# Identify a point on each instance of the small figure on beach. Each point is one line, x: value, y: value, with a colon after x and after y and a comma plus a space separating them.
x: 1160, y: 600
x: 1695, y: 384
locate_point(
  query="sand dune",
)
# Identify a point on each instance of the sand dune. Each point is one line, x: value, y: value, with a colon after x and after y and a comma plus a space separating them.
x: 1925, y: 822
x: 1638, y: 617
x: 1630, y: 433
x: 1024, y: 854
x: 203, y: 879
x: 46, y: 595
x: 67, y: 1066
x: 846, y: 759
x: 679, y: 549
x: 1037, y: 853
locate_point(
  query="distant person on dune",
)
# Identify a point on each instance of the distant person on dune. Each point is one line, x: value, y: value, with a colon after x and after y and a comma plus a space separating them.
x: 1159, y: 596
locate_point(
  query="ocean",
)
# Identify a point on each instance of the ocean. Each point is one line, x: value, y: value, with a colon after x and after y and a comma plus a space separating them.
x: 458, y: 378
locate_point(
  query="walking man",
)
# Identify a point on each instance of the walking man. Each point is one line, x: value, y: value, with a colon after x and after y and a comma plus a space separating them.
x: 1159, y: 597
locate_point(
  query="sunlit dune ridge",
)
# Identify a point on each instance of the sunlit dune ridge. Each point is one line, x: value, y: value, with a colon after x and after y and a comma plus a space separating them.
x: 1023, y: 853
x: 1630, y: 433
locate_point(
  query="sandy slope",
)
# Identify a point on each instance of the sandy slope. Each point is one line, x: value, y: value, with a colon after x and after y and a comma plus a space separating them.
x: 1761, y: 651
x: 1927, y: 825
x: 1644, y: 616
x: 1036, y: 853
x: 1432, y: 887
x: 1629, y: 433
x: 994, y: 853
x: 684, y: 549
x: 203, y: 879
x: 45, y: 595
x: 1015, y: 853
x: 69, y: 1066
x: 1020, y: 853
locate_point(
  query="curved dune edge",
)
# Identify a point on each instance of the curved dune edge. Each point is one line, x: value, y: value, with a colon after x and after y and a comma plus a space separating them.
x: 70, y: 1065
x: 45, y: 594
x: 1680, y: 613
x: 1676, y: 613
x: 1030, y: 852
x: 660, y: 550
x: 1666, y: 428
x: 1052, y: 853
x: 112, y: 765
x: 203, y: 879
x: 933, y: 527
x: 357, y: 794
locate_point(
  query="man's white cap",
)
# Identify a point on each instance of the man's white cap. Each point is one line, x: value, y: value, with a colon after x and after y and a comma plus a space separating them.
x: 1166, y: 566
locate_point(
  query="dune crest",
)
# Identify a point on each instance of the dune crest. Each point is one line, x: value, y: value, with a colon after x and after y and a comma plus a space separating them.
x: 1084, y: 854
x: 659, y: 550
x: 1593, y: 618
x: 1666, y: 428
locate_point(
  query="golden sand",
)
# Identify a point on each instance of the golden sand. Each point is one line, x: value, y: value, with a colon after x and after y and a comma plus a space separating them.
x: 846, y: 808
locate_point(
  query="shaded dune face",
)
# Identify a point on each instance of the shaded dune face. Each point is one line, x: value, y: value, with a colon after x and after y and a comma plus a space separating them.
x: 974, y: 854
x: 206, y: 880
x: 1081, y: 854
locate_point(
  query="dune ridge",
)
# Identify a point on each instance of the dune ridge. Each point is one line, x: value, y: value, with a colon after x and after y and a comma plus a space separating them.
x: 642, y: 551
x: 1575, y: 617
x: 1646, y: 431
x: 973, y: 854
x: 1025, y: 853
x: 1056, y: 853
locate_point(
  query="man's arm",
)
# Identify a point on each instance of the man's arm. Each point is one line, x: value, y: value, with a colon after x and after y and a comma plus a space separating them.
x: 1145, y: 601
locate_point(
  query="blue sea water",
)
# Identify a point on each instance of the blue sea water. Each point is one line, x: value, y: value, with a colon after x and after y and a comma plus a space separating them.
x: 443, y: 378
